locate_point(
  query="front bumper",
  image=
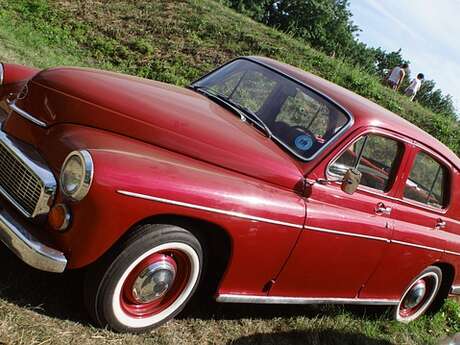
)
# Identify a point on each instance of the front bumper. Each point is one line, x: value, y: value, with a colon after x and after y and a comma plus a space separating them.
x: 30, y: 250
x: 15, y: 231
x: 455, y: 290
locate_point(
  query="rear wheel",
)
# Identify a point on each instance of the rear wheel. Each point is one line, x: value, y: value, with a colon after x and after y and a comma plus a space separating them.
x: 419, y: 295
x: 146, y: 280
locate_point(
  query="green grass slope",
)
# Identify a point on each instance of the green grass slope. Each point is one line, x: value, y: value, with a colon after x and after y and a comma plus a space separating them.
x: 177, y: 41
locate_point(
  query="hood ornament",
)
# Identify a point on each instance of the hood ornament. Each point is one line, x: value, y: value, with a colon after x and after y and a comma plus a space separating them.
x: 13, y: 97
x: 23, y: 93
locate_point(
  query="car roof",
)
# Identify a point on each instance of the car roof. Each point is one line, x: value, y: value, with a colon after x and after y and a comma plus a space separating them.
x: 364, y: 111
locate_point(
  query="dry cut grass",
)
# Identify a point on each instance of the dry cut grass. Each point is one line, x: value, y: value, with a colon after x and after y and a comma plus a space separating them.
x: 176, y: 41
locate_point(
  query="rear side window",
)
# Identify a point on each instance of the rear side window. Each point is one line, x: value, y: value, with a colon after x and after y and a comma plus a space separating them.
x: 375, y: 156
x: 427, y: 182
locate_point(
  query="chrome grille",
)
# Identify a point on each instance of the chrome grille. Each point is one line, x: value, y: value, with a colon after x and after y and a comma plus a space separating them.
x: 18, y: 181
x: 25, y: 179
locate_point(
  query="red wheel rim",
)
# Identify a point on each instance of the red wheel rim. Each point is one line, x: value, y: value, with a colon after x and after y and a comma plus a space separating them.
x: 410, y: 304
x: 133, y: 306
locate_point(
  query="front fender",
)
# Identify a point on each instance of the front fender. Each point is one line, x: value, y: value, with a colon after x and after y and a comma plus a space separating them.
x: 13, y: 77
x: 134, y: 181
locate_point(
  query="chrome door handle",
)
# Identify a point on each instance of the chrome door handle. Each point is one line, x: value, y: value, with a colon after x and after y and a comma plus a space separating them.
x: 440, y: 224
x: 380, y: 208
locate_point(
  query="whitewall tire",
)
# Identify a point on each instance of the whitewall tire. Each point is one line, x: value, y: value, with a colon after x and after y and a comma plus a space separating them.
x: 419, y: 295
x: 146, y: 280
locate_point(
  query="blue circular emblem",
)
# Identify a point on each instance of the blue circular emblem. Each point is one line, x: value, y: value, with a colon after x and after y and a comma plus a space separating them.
x: 303, y: 142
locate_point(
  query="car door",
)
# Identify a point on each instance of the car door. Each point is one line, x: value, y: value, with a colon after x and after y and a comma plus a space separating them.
x: 421, y: 224
x: 345, y: 235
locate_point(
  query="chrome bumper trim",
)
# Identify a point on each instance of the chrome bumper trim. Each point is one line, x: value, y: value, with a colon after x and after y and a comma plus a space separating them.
x: 455, y: 290
x: 27, y: 248
x: 228, y: 298
x: 24, y: 114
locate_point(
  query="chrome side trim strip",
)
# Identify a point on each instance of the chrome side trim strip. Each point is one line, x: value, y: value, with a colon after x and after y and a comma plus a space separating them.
x: 229, y: 298
x: 29, y: 249
x: 272, y: 221
x: 26, y: 115
x: 418, y: 246
x: 455, y: 290
x: 209, y: 209
x: 342, y: 233
x: 2, y: 72
x: 452, y: 253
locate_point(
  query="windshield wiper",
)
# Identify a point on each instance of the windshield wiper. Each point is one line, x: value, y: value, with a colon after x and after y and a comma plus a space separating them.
x: 254, y: 118
x: 241, y: 111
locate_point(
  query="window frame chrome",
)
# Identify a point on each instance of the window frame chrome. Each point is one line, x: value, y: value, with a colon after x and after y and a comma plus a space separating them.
x: 333, y: 139
x: 448, y: 169
x: 376, y: 131
x: 387, y: 195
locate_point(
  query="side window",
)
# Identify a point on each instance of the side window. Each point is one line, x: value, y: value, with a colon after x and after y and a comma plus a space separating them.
x: 375, y: 156
x: 427, y: 182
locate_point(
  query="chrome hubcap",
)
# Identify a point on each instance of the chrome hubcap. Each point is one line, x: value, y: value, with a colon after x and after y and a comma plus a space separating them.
x: 415, y: 295
x: 154, y: 282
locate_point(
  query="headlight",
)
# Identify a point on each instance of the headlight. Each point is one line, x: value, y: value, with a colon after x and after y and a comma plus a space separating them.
x: 76, y: 175
x: 2, y: 72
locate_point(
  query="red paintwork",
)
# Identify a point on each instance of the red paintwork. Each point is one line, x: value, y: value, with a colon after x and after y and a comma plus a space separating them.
x: 163, y: 115
x: 14, y: 78
x: 13, y: 73
x: 155, y: 139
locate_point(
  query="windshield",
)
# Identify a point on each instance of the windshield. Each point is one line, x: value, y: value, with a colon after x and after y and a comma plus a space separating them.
x: 298, y: 118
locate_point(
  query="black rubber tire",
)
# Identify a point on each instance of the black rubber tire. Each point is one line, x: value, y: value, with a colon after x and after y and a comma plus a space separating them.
x: 102, y: 277
x: 426, y: 306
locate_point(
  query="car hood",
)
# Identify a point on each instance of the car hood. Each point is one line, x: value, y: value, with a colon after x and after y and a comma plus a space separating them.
x: 174, y: 118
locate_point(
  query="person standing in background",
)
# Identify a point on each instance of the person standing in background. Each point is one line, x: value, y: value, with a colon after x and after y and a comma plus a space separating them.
x: 396, y: 76
x: 414, y: 86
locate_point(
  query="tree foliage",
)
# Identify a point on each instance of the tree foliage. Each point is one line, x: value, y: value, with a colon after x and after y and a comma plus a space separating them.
x: 327, y: 26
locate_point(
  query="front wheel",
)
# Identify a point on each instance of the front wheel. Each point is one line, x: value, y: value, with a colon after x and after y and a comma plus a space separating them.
x: 419, y: 295
x: 146, y: 280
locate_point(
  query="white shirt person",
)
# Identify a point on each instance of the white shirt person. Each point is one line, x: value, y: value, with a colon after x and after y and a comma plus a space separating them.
x: 414, y: 86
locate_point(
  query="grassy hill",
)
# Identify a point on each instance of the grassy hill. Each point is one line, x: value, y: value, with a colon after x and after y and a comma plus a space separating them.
x: 177, y: 41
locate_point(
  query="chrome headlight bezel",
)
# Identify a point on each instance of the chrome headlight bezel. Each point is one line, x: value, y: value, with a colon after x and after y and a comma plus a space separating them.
x: 2, y: 73
x: 86, y: 179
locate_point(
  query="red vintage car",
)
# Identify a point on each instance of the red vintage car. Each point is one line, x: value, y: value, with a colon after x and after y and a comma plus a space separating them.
x: 260, y: 183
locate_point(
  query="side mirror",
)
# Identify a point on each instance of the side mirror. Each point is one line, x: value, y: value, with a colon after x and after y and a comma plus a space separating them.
x: 351, y: 180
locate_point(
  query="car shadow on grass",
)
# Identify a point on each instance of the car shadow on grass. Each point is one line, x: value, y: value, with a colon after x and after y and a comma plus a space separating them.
x: 51, y: 294
x: 61, y: 296
x: 205, y: 308
x: 323, y: 337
